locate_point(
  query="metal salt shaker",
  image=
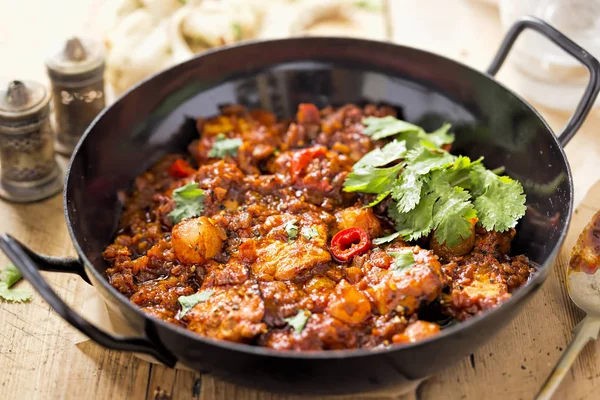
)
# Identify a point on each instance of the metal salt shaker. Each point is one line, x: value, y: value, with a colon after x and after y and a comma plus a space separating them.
x: 76, y: 74
x: 28, y: 169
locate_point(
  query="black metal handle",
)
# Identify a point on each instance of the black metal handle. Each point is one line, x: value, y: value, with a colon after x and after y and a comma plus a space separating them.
x: 55, y: 264
x: 593, y: 86
x: 21, y: 257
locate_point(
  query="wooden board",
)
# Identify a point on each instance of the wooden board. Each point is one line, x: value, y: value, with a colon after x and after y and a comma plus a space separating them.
x: 38, y: 356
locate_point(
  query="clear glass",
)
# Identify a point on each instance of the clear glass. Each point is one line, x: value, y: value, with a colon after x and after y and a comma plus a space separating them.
x: 547, y: 75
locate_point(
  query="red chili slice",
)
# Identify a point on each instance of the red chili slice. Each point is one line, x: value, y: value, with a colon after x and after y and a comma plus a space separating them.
x: 302, y: 158
x: 348, y: 243
x: 181, y: 169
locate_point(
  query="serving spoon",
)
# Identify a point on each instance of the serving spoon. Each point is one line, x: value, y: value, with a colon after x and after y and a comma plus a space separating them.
x: 583, y: 285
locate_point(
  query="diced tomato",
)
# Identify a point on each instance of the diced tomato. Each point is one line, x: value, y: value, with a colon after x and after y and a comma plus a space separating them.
x: 181, y: 169
x: 308, y: 114
x: 302, y: 158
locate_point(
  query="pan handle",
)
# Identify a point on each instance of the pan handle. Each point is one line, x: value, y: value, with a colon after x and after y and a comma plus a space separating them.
x: 55, y: 264
x: 27, y: 265
x: 593, y: 86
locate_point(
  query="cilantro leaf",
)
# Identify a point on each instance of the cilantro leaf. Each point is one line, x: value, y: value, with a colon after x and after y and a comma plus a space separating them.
x: 14, y: 295
x: 189, y: 202
x: 291, y: 229
x: 407, y: 191
x: 366, y: 177
x: 371, y: 180
x: 310, y: 233
x: 499, y: 200
x: 459, y: 174
x: 413, y: 135
x: 379, y: 199
x: 370, y: 5
x: 298, y: 322
x: 451, y: 216
x: 385, y: 239
x: 238, y: 32
x: 188, y: 302
x: 379, y: 128
x: 431, y: 189
x: 418, y: 222
x: 224, y: 147
x: 440, y: 137
x: 404, y: 259
x: 382, y: 156
x: 11, y: 275
x: 421, y: 160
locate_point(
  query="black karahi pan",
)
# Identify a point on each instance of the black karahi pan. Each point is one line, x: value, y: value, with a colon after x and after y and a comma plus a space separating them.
x: 155, y: 117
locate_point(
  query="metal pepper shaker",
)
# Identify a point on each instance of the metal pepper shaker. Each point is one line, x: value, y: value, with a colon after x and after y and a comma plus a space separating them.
x: 28, y: 168
x: 76, y: 74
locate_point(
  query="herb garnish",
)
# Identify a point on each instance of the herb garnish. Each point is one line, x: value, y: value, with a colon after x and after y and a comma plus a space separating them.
x: 431, y: 189
x: 223, y: 147
x: 188, y: 302
x: 238, y: 32
x: 310, y: 233
x: 404, y: 259
x: 9, y: 276
x: 413, y: 135
x: 370, y: 5
x: 298, y: 322
x: 291, y: 229
x: 189, y: 202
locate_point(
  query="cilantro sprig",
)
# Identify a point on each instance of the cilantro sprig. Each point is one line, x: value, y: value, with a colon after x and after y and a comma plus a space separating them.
x: 310, y: 232
x: 404, y: 259
x: 188, y: 302
x: 223, y: 147
x: 298, y: 321
x: 291, y: 230
x: 431, y: 189
x: 189, y: 202
x: 8, y: 277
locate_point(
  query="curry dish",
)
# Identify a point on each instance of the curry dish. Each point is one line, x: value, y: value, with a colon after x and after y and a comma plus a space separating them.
x: 252, y: 238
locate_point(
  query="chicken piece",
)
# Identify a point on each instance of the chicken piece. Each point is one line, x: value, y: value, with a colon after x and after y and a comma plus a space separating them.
x: 233, y: 313
x: 348, y: 304
x: 495, y: 244
x: 286, y: 261
x: 465, y: 246
x: 283, y: 300
x: 160, y: 312
x: 417, y: 331
x: 195, y: 240
x: 383, y: 328
x: 319, y: 289
x: 321, y: 332
x: 516, y: 273
x: 162, y: 294
x: 405, y: 292
x: 311, y: 224
x: 343, y: 126
x: 231, y: 273
x: 477, y: 285
x: 358, y: 217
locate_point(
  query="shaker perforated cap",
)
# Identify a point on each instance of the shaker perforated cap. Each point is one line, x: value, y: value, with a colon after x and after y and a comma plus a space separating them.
x: 21, y: 100
x: 76, y: 56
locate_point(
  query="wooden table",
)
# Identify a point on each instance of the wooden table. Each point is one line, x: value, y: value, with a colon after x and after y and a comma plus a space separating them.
x: 38, y: 355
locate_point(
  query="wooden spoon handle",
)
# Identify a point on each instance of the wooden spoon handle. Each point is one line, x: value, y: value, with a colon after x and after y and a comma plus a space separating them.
x: 584, y: 332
